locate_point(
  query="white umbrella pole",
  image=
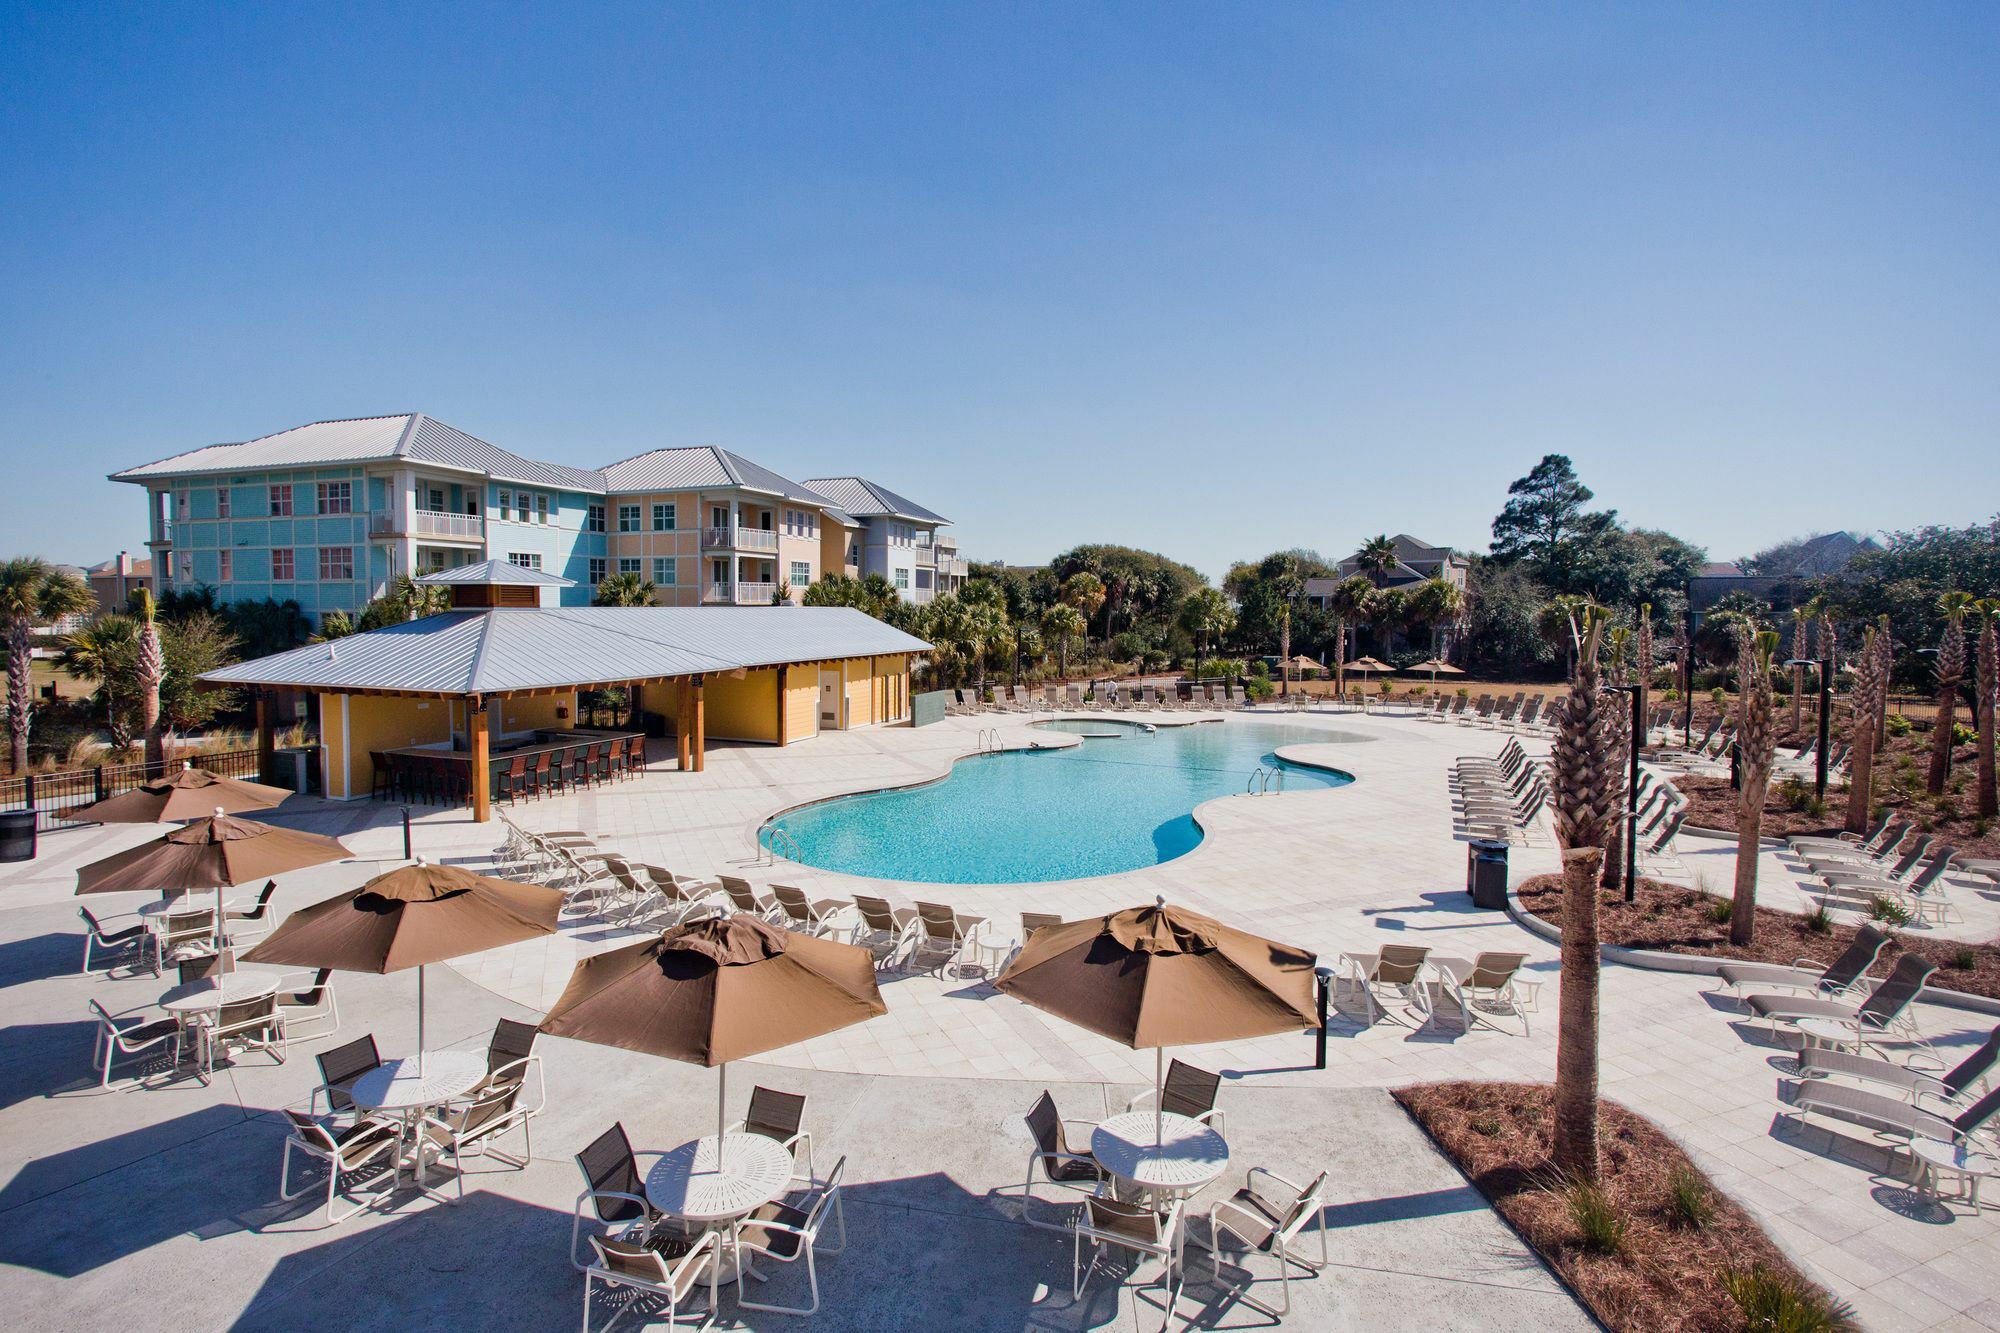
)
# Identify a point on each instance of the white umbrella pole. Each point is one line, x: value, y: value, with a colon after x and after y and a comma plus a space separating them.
x: 1159, y: 1086
x: 721, y: 1114
x: 220, y: 940
x: 420, y: 1020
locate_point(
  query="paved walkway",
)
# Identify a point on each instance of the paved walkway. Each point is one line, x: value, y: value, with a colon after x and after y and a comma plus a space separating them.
x: 1331, y: 870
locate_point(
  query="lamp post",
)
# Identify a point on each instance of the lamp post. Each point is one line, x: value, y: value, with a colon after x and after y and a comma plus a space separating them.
x: 1687, y: 681
x: 1825, y: 669
x: 1629, y: 835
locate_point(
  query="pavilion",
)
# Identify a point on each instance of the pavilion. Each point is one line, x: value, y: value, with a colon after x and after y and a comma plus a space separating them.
x: 493, y: 673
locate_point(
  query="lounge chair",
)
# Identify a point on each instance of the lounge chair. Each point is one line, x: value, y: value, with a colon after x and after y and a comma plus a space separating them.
x: 342, y: 1153
x: 1882, y: 1012
x: 128, y: 1035
x: 1967, y: 1075
x: 881, y: 925
x: 807, y: 915
x: 1137, y: 1227
x: 1060, y: 1164
x: 1269, y: 1221
x: 685, y: 895
x: 941, y: 931
x: 745, y: 898
x: 1836, y: 978
x: 1398, y: 970
x: 1891, y: 1115
x: 787, y: 1233
x: 1873, y: 843
x: 1187, y: 1091
x: 1491, y: 978
x: 1910, y: 852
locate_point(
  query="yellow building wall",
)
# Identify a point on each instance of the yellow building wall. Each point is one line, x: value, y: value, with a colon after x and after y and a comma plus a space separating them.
x: 532, y: 713
x: 742, y: 710
x: 374, y: 722
x: 802, y: 704
x: 859, y: 685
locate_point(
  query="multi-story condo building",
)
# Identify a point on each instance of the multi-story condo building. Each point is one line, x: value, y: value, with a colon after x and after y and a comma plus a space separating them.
x: 896, y: 538
x: 330, y: 514
x: 1415, y: 562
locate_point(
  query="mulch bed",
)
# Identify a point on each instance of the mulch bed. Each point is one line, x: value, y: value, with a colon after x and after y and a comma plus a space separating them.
x: 1667, y: 1277
x: 1673, y: 918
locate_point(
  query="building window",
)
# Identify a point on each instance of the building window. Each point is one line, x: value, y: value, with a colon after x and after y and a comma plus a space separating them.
x: 222, y: 504
x: 336, y: 563
x: 224, y: 564
x: 525, y: 559
x: 597, y: 568
x: 628, y: 564
x: 434, y: 500
x: 628, y: 518
x: 541, y: 509
x: 336, y: 497
x: 183, y: 505
x: 281, y: 564
x: 666, y: 571
x: 281, y: 502
x: 431, y: 561
x: 594, y: 519
x: 923, y: 580
x: 801, y: 574
x: 663, y: 518
x: 903, y: 578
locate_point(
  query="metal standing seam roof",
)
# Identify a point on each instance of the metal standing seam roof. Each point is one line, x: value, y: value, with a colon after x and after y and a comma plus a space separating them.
x: 858, y: 495
x: 497, y: 571
x: 508, y: 650
x: 411, y: 435
x: 694, y: 467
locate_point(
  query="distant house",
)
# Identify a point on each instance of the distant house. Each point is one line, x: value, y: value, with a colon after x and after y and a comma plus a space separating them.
x: 1416, y: 561
x: 897, y: 538
x: 113, y: 582
x: 1783, y: 578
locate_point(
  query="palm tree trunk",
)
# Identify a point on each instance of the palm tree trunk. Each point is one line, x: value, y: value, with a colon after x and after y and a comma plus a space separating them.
x: 1941, y: 734
x: 1749, y: 838
x: 1989, y: 681
x: 1574, y: 1149
x: 20, y: 691
x: 1861, y: 773
x: 1798, y: 694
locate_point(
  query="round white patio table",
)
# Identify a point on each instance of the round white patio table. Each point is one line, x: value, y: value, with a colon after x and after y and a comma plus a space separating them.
x: 1968, y: 1164
x: 1187, y: 1155
x: 395, y: 1086
x: 687, y: 1183
x: 206, y: 996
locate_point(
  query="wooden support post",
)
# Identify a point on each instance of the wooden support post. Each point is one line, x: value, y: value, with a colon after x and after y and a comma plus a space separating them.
x: 267, y: 741
x: 699, y: 740
x: 482, y: 773
x: 683, y: 725
x: 784, y: 679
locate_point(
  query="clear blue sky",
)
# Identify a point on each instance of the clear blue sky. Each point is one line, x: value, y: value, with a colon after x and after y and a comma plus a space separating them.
x: 1207, y: 279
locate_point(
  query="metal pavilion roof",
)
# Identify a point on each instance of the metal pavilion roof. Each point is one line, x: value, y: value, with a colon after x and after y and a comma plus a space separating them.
x: 411, y: 435
x: 497, y: 571
x: 520, y: 650
x: 858, y: 495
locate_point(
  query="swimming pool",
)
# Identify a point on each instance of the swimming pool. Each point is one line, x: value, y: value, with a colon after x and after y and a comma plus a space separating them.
x: 1109, y: 804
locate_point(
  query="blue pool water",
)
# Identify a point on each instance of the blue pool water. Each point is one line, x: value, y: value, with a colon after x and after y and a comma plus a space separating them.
x: 1103, y: 806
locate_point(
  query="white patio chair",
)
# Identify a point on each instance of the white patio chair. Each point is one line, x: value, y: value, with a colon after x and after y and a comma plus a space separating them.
x: 343, y: 1154
x: 1491, y: 979
x: 1396, y: 972
x: 624, y: 1262
x: 1136, y: 1227
x: 1270, y: 1223
x: 97, y: 938
x: 472, y: 1127
x: 787, y: 1233
x: 127, y: 1035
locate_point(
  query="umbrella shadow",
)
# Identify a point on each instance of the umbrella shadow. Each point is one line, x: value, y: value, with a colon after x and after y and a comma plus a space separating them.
x: 55, y: 954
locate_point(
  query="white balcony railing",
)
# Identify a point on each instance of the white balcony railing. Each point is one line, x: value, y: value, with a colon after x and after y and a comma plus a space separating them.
x: 428, y: 523
x: 740, y: 594
x: 740, y: 538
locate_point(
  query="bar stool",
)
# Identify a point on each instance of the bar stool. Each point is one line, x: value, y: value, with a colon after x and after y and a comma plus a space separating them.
x: 513, y: 782
x: 543, y: 778
x: 384, y: 788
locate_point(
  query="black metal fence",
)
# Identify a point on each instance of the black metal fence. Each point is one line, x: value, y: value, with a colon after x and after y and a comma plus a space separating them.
x: 53, y: 796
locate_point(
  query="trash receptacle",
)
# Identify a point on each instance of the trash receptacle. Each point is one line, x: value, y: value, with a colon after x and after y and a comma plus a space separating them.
x: 1486, y: 873
x: 17, y: 835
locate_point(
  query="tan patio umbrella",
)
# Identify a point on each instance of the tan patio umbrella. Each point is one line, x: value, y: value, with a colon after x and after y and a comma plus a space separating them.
x: 189, y: 794
x: 412, y: 916
x: 1436, y: 665
x: 212, y: 853
x: 716, y: 990
x: 1369, y: 664
x: 1163, y: 976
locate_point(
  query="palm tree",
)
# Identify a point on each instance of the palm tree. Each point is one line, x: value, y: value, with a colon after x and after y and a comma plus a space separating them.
x: 1436, y: 602
x: 1376, y: 558
x: 1950, y: 671
x: 152, y: 672
x: 1585, y: 798
x: 32, y: 592
x: 1388, y: 611
x: 986, y: 626
x: 1558, y: 620
x: 1206, y: 615
x: 1086, y: 592
x: 1062, y: 622
x: 1988, y: 684
x: 1869, y: 684
x: 625, y: 589
x: 1349, y: 604
x: 1757, y: 742
x: 1617, y: 735
x: 1798, y: 669
x: 107, y: 653
x: 422, y: 599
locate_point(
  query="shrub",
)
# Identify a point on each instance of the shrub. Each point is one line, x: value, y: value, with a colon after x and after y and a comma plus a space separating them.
x: 1888, y: 910
x: 1898, y: 725
x: 1962, y: 734
x: 1718, y: 696
x: 1964, y: 959
x: 1602, y: 1225
x: 1259, y: 667
x: 1777, y: 1302
x: 1720, y: 910
x: 1689, y: 1203
x: 1464, y: 693
x: 1259, y: 687
x: 1419, y: 691
x: 1819, y: 921
x: 1382, y: 688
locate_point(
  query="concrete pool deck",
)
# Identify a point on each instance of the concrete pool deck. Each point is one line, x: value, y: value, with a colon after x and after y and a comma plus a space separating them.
x: 157, y: 1200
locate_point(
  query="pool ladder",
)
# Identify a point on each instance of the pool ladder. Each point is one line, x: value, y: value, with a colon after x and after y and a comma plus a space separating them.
x: 989, y: 741
x: 1261, y: 780
x: 773, y: 834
